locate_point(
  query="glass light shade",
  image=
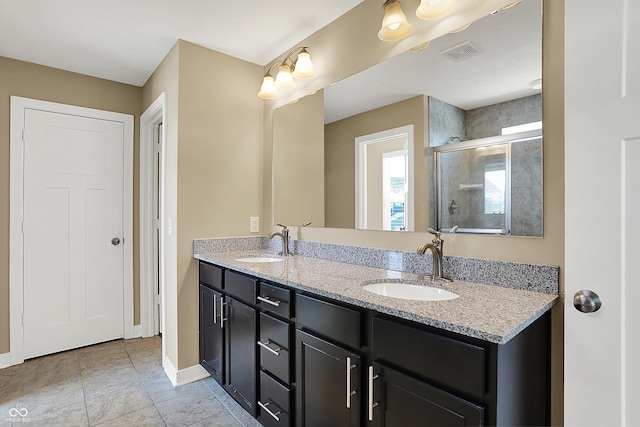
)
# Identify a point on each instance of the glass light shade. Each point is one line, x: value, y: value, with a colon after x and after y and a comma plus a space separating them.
x: 268, y: 89
x: 304, y: 67
x: 434, y: 9
x: 284, y: 79
x: 394, y: 24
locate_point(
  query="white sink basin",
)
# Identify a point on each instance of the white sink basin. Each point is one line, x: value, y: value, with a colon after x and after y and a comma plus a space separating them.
x: 259, y: 258
x: 409, y: 291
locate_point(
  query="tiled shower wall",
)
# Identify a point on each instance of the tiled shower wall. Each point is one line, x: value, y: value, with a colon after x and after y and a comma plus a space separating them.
x: 449, y: 124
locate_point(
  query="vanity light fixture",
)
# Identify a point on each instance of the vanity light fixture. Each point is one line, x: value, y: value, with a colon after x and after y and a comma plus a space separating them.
x: 434, y: 9
x: 394, y: 23
x: 288, y: 70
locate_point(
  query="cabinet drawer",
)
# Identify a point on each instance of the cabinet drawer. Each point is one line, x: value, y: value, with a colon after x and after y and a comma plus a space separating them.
x: 274, y: 404
x: 240, y: 286
x: 274, y: 344
x: 450, y: 362
x: 210, y: 275
x: 335, y: 322
x: 275, y: 299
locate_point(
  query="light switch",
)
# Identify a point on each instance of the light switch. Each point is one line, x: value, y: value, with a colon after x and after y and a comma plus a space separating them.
x: 254, y: 224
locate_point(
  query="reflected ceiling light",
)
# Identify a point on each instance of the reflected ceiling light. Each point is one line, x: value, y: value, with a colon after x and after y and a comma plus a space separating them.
x: 460, y: 29
x: 421, y: 46
x: 288, y: 70
x: 394, y: 24
x: 434, y: 9
x: 536, y: 84
x: 509, y: 6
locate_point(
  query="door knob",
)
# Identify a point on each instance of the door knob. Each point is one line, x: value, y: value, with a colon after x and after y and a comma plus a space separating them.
x: 115, y: 241
x: 587, y: 301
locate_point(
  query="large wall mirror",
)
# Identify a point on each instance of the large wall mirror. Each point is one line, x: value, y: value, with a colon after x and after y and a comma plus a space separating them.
x: 447, y: 136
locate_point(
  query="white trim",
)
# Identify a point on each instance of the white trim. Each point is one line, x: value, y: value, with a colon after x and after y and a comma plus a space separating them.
x: 16, y: 213
x: 5, y: 360
x: 155, y: 114
x: 361, y: 143
x: 183, y: 376
x: 137, y: 331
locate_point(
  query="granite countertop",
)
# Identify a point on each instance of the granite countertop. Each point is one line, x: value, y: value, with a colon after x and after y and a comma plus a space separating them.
x: 491, y: 313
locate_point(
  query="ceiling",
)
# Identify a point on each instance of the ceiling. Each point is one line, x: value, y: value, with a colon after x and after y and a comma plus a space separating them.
x: 510, y: 58
x: 125, y: 40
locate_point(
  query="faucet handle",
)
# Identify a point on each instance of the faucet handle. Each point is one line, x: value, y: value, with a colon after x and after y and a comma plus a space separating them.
x: 284, y: 227
x: 434, y: 232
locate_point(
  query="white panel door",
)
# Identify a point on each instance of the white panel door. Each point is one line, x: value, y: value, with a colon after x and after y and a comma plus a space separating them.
x: 602, y: 201
x: 73, y: 208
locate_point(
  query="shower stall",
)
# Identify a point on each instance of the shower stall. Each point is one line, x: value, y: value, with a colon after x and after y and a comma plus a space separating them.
x: 491, y: 185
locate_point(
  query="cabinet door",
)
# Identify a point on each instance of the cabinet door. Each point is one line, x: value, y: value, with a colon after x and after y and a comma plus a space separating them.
x: 399, y: 400
x: 211, y: 333
x: 328, y: 383
x: 241, y: 353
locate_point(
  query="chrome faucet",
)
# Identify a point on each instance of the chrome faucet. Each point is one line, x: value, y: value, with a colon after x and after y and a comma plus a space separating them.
x: 436, y: 246
x: 284, y: 234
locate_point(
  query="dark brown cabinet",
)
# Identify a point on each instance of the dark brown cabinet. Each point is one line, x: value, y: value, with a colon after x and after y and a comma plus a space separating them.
x: 293, y: 358
x: 228, y: 332
x: 211, y: 333
x: 399, y: 400
x: 241, y: 353
x: 328, y: 383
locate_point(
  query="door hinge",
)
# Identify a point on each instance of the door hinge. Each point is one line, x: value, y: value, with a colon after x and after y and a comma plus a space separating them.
x: 156, y: 224
x: 156, y: 299
x: 156, y: 147
x: 22, y: 319
x: 22, y: 227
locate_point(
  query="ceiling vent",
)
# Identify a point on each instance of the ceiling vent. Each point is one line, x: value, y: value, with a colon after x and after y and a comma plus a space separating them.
x: 461, y: 51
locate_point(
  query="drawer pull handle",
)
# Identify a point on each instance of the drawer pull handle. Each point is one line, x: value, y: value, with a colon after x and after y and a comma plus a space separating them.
x: 266, y: 346
x: 269, y: 301
x: 372, y: 404
x: 268, y: 411
x: 350, y: 392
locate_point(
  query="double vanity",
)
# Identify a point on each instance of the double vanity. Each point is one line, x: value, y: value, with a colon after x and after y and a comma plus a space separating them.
x: 307, y: 340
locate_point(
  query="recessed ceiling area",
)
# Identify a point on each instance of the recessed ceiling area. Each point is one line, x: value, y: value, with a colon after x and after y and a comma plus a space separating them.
x: 125, y: 40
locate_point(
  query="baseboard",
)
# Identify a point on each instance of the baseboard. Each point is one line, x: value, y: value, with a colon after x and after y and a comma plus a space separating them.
x: 183, y: 376
x: 5, y: 360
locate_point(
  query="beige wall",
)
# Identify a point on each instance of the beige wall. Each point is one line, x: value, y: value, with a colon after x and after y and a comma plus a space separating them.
x: 347, y: 46
x: 340, y: 158
x: 299, y: 190
x: 215, y: 145
x: 18, y: 78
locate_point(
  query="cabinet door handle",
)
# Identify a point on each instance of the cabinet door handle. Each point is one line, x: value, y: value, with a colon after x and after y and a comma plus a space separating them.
x: 215, y: 310
x: 372, y: 404
x: 266, y: 346
x: 268, y: 411
x: 350, y: 392
x: 222, y: 318
x: 268, y: 301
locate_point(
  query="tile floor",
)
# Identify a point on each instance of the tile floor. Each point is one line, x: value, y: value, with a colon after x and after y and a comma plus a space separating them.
x: 118, y: 383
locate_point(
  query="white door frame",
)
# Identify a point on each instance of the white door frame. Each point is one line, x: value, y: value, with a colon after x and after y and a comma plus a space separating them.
x: 361, y: 143
x: 154, y: 115
x: 16, y: 212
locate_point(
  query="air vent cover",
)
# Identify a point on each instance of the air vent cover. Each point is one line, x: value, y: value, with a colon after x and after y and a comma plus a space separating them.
x: 461, y: 51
